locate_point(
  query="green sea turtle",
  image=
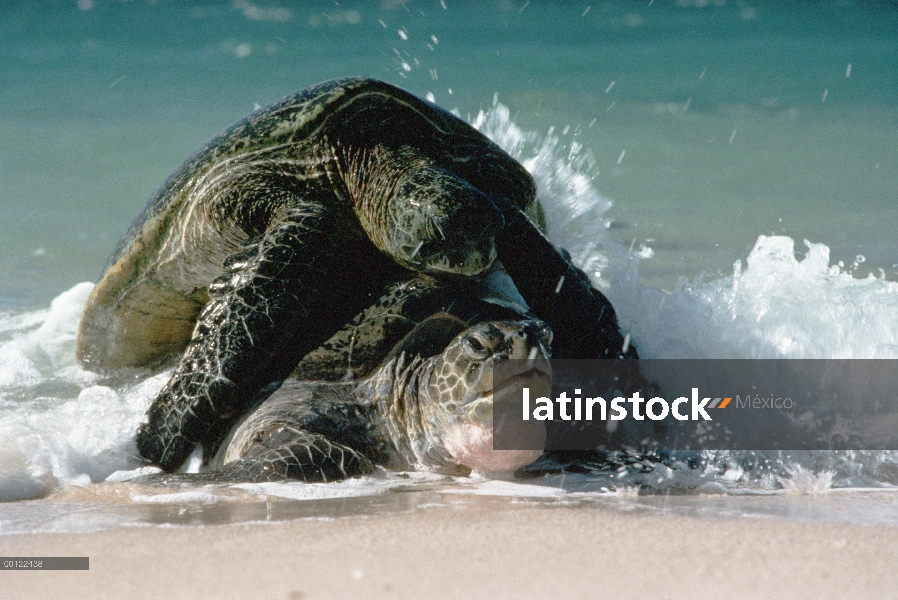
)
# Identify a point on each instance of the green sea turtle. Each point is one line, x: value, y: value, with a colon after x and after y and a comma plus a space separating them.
x: 429, y: 404
x: 364, y: 343
x: 270, y: 238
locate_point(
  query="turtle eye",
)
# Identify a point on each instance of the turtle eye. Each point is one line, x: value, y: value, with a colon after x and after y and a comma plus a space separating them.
x: 475, y: 348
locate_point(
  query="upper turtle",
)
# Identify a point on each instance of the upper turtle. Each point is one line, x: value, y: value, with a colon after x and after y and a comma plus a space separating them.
x: 393, y: 172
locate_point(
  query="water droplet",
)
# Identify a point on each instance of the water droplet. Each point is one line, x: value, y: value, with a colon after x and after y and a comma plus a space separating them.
x: 560, y: 283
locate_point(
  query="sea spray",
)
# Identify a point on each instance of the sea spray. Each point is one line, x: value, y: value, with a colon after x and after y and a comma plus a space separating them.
x: 778, y: 306
x: 59, y: 424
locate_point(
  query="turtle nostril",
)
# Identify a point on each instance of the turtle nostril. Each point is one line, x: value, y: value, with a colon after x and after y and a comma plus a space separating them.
x: 535, y: 329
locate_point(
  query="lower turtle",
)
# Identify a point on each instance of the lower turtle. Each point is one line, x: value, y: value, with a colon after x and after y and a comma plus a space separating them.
x: 420, y: 408
x: 269, y: 239
x: 363, y: 344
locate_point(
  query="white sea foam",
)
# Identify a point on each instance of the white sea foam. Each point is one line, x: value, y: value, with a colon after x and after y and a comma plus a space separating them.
x: 480, y: 486
x: 58, y: 425
x: 191, y: 496
x: 802, y: 481
x: 61, y: 425
x: 778, y: 306
x: 573, y: 207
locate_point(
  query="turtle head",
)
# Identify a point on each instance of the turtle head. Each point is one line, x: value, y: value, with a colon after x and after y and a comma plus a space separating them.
x: 457, y: 397
x: 440, y: 224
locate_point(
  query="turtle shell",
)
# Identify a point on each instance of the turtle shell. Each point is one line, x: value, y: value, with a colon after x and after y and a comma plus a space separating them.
x: 144, y: 309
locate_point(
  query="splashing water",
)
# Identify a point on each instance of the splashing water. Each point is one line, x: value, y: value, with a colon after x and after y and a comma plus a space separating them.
x: 63, y: 426
x: 59, y: 424
x: 802, y: 481
x: 777, y: 306
x: 574, y: 209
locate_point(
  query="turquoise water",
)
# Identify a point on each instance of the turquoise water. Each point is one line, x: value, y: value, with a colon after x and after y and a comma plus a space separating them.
x: 666, y: 137
x: 708, y: 123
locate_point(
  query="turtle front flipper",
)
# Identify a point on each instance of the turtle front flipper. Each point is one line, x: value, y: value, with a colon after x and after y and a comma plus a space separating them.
x: 276, y: 300
x: 292, y: 453
x: 582, y: 318
x: 308, y: 431
x: 283, y: 454
x: 288, y: 439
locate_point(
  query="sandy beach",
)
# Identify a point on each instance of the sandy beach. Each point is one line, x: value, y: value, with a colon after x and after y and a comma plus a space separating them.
x: 462, y: 547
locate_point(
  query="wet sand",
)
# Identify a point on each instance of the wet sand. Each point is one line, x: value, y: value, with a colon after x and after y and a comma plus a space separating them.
x: 458, y: 547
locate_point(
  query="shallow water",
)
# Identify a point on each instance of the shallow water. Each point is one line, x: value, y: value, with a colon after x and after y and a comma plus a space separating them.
x: 666, y: 137
x: 115, y: 505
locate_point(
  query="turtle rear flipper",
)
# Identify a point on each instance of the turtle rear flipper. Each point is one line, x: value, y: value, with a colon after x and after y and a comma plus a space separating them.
x: 276, y: 300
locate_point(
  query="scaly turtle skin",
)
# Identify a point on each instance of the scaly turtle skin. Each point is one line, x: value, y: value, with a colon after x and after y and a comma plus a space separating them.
x: 269, y: 239
x: 367, y: 340
x: 363, y: 344
x: 415, y: 410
